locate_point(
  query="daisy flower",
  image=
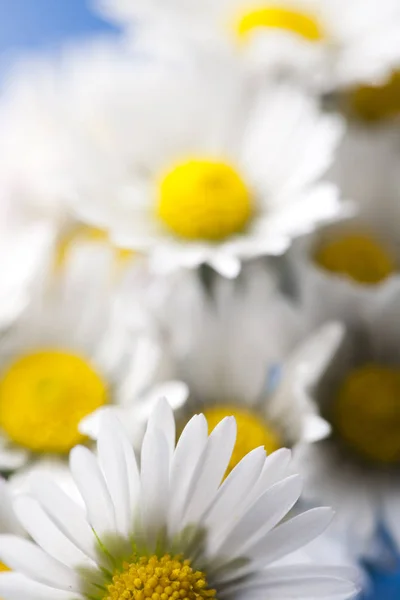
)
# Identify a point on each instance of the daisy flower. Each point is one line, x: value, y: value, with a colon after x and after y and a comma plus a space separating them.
x: 325, y: 43
x: 238, y: 350
x: 356, y: 468
x: 347, y: 269
x: 163, y: 530
x: 234, y: 173
x: 67, y: 355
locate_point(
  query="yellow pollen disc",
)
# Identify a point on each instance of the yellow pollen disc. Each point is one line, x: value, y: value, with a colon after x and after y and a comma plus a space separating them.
x: 3, y: 567
x: 204, y: 200
x: 358, y: 256
x: 377, y: 103
x: 277, y: 17
x: 44, y: 396
x: 252, y: 431
x: 84, y: 233
x: 366, y: 413
x: 165, y: 578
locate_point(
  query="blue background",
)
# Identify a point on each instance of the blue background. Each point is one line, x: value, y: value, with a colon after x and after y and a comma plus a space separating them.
x: 44, y: 25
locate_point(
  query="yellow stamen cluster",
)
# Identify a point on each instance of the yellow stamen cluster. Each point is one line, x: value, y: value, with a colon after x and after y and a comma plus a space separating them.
x: 358, y: 256
x: 278, y: 17
x: 377, y: 103
x: 252, y: 431
x: 165, y: 578
x: 204, y: 200
x: 83, y: 233
x: 366, y: 413
x: 44, y: 396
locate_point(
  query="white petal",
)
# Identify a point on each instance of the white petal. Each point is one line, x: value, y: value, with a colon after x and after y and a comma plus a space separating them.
x: 154, y: 474
x: 14, y: 586
x: 291, y: 535
x: 25, y: 556
x: 210, y: 470
x: 228, y: 266
x: 231, y: 494
x: 189, y: 449
x: 162, y: 419
x: 267, y: 511
x: 285, y: 584
x: 90, y: 481
x: 112, y: 462
x: 275, y: 469
x: 57, y: 537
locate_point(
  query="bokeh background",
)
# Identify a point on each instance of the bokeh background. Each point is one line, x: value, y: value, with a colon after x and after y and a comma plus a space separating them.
x: 28, y: 26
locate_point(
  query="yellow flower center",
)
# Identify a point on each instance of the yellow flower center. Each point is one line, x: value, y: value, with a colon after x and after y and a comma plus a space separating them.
x: 83, y: 233
x: 358, y: 256
x: 366, y: 413
x: 3, y: 567
x: 252, y: 431
x: 376, y: 103
x: 204, y: 200
x: 278, y: 17
x: 44, y: 396
x: 165, y: 578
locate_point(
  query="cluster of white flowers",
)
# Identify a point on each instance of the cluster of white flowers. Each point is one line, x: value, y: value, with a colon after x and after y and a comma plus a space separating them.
x: 200, y: 302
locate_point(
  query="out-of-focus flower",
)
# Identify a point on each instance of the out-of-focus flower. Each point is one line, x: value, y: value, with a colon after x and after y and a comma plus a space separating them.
x: 324, y: 43
x: 348, y: 269
x: 68, y: 354
x: 188, y: 164
x: 237, y: 347
x: 356, y: 469
x: 165, y: 528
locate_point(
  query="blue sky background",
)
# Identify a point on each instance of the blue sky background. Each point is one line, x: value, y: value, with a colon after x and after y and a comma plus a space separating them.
x: 44, y: 25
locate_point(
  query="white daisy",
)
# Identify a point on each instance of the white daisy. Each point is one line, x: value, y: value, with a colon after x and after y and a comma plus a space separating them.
x: 349, y: 268
x: 328, y: 43
x: 237, y: 348
x: 68, y: 354
x: 356, y: 469
x: 164, y: 528
x: 184, y: 162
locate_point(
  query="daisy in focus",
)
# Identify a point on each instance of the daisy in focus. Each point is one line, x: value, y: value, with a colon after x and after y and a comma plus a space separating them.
x: 234, y: 173
x: 161, y: 529
x: 67, y: 355
x: 349, y: 268
x: 356, y: 469
x: 239, y: 349
x: 327, y: 44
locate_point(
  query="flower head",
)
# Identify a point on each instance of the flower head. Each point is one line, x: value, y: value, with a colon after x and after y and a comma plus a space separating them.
x: 324, y: 44
x: 163, y: 530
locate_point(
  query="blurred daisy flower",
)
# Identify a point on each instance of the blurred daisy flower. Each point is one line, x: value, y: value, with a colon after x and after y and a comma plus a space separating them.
x: 234, y: 173
x: 68, y: 354
x: 324, y: 44
x: 356, y: 469
x: 349, y: 268
x: 237, y: 347
x: 163, y: 528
